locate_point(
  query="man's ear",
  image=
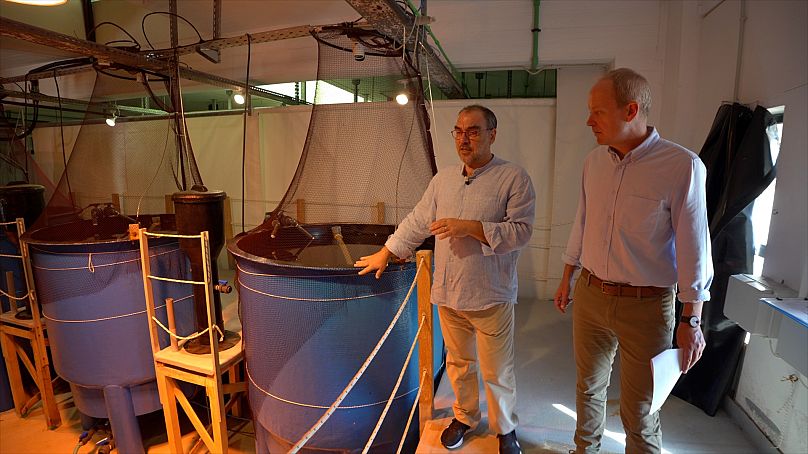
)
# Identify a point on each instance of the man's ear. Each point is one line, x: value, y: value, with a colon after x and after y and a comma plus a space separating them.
x: 632, y: 109
x: 493, y: 135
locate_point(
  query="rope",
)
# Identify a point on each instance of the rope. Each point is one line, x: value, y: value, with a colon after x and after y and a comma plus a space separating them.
x: 192, y: 336
x: 321, y: 407
x: 171, y: 235
x: 15, y: 298
x: 177, y: 281
x: 318, y: 300
x: 11, y: 256
x: 92, y: 267
x: 8, y: 223
x: 395, y: 388
x: 359, y: 373
x: 412, y: 412
x: 112, y: 317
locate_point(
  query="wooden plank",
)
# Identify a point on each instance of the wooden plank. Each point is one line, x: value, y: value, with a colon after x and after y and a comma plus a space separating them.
x: 426, y: 404
x: 170, y: 412
x: 18, y: 394
x: 194, y: 418
x: 228, y: 231
x: 116, y: 202
x: 145, y: 268
x: 169, y: 204
x: 380, y: 215
x: 11, y: 290
x: 301, y: 211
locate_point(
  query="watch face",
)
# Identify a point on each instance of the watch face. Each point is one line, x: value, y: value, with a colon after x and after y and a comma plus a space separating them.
x: 694, y: 321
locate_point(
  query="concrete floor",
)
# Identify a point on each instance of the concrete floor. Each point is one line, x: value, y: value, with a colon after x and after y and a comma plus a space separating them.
x: 546, y: 385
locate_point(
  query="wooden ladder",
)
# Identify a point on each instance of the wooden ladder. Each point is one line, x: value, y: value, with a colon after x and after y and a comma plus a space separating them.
x: 16, y: 334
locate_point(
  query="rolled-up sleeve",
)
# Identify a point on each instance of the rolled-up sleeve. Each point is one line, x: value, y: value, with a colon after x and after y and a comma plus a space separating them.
x: 572, y: 255
x: 689, y: 219
x: 515, y: 230
x: 414, y: 229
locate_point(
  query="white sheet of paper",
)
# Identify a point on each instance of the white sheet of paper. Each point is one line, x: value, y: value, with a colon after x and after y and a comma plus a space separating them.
x: 666, y: 368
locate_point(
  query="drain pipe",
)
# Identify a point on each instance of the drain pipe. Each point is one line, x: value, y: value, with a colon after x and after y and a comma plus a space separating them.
x: 534, y: 64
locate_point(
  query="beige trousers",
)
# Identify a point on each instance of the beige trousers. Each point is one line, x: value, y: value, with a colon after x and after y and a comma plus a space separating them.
x: 481, y: 342
x: 639, y: 328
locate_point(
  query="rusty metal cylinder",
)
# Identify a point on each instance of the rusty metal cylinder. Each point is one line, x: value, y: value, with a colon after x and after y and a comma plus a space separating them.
x: 197, y: 212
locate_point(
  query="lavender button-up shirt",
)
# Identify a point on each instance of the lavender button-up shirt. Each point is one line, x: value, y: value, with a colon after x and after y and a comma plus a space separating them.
x: 470, y: 275
x: 642, y: 220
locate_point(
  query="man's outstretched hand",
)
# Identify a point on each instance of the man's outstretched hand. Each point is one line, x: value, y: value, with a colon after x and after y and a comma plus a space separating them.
x: 377, y: 262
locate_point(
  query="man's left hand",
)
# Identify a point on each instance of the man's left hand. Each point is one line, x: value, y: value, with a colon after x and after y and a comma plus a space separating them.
x: 452, y: 228
x: 691, y: 341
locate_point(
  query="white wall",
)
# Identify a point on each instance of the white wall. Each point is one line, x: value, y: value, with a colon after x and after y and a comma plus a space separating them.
x: 760, y: 47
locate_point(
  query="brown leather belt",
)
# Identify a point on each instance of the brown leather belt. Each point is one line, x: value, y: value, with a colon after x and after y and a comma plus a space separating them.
x: 618, y: 289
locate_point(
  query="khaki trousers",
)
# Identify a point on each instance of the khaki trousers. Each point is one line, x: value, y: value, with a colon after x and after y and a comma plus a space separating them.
x: 639, y: 328
x: 481, y: 341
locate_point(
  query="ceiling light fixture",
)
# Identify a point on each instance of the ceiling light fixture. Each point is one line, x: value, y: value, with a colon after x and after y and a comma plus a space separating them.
x: 402, y: 98
x: 237, y: 96
x: 112, y: 117
x: 39, y: 2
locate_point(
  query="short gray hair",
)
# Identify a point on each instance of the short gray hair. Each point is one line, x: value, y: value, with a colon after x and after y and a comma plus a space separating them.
x: 490, y: 118
x: 630, y: 86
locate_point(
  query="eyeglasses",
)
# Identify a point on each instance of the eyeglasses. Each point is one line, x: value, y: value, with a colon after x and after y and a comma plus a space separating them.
x: 472, y: 134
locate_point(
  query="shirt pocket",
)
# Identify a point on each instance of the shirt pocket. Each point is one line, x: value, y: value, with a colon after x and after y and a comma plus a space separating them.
x: 639, y: 214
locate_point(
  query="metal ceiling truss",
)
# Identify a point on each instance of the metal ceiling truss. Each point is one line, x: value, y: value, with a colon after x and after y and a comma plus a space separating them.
x: 108, y: 106
x: 389, y: 18
x: 108, y: 54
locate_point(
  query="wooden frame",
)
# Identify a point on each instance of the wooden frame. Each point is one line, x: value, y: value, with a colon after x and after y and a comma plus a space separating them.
x: 14, y: 335
x: 173, y: 366
x: 426, y: 403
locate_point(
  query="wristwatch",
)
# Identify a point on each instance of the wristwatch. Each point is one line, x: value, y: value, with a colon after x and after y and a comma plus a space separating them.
x: 692, y: 320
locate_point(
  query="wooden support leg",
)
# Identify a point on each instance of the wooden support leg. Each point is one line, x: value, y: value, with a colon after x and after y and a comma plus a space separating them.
x: 52, y: 416
x: 165, y: 387
x: 18, y: 394
x: 218, y: 418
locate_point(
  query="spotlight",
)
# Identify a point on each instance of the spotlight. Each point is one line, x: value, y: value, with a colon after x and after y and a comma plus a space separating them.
x: 111, y: 118
x: 237, y: 96
x: 358, y: 51
x: 402, y: 98
x: 40, y: 2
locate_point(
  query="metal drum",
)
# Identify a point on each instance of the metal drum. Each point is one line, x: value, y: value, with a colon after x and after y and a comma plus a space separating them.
x: 91, y: 293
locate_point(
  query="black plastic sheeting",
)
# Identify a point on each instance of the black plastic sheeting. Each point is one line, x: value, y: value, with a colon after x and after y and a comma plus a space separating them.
x: 739, y: 168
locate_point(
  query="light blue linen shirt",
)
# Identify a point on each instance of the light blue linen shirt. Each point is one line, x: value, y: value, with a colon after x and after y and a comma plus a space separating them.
x: 470, y: 275
x: 642, y: 220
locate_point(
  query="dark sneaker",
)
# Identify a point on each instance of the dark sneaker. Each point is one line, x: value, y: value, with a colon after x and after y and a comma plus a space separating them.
x: 508, y: 444
x: 452, y: 436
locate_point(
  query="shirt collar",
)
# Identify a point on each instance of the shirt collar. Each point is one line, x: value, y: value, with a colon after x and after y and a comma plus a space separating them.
x: 482, y: 169
x: 641, y: 149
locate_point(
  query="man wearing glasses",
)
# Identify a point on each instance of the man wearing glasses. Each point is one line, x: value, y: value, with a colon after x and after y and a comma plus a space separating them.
x: 481, y: 213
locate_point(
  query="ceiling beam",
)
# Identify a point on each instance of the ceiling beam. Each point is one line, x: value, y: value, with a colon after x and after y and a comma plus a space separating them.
x: 19, y: 30
x: 389, y: 18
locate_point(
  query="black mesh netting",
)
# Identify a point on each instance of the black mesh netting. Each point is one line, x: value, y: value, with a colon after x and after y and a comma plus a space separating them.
x: 117, y: 173
x: 363, y: 162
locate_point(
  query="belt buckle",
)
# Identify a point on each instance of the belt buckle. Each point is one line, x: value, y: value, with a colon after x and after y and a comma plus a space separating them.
x: 603, y: 285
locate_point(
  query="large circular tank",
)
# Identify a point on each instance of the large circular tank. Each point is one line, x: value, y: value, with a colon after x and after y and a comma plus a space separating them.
x: 90, y: 290
x: 309, y: 323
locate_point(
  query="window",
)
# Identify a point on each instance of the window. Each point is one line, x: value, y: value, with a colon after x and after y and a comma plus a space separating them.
x: 762, y: 210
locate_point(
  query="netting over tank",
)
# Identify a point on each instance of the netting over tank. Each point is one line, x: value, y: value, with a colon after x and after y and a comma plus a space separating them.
x: 309, y: 320
x: 363, y: 162
x: 121, y: 171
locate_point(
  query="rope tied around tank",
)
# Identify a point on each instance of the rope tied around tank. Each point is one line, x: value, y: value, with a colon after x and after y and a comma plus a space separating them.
x: 112, y: 317
x: 16, y: 298
x: 307, y: 436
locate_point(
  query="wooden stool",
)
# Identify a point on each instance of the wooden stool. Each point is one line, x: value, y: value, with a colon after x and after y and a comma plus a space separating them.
x: 174, y: 365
